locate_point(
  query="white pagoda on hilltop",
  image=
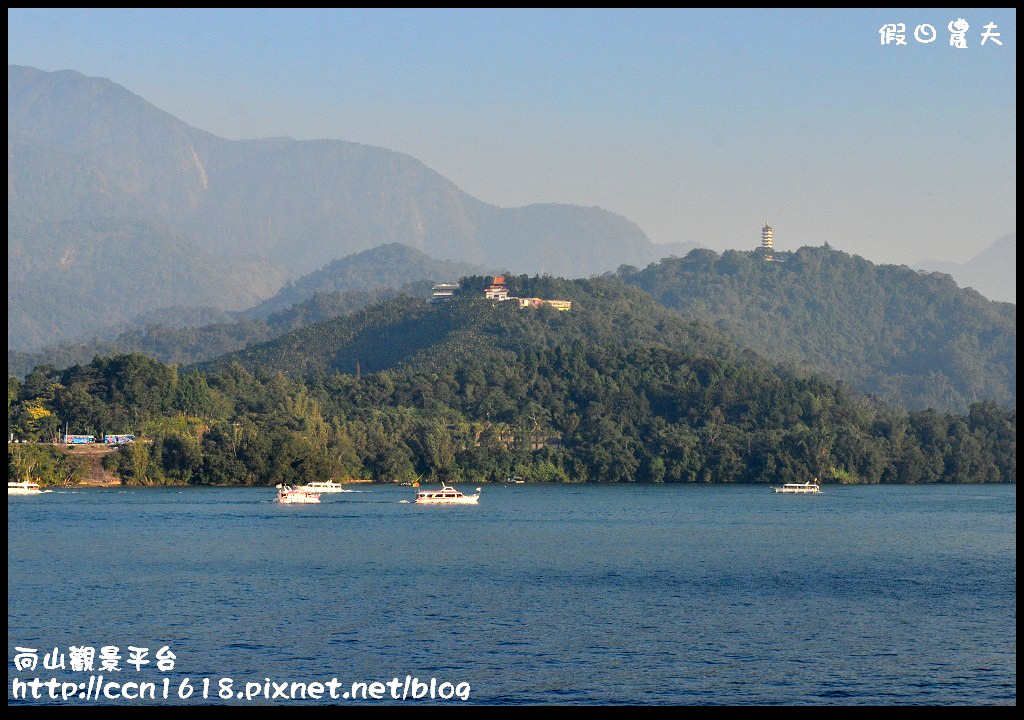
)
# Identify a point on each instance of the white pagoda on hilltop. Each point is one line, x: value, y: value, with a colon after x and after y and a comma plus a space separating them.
x: 767, y: 240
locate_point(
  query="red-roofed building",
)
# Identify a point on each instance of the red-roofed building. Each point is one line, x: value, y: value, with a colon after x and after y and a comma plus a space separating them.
x: 497, y: 290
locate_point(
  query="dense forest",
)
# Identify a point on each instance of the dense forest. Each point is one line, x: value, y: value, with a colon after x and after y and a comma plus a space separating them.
x: 617, y: 390
x: 912, y: 338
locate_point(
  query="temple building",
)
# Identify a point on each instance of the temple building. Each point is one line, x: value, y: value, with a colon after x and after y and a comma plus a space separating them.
x: 767, y: 240
x: 498, y: 290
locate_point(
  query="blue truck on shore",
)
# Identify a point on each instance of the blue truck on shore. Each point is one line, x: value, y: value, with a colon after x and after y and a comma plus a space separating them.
x: 91, y: 439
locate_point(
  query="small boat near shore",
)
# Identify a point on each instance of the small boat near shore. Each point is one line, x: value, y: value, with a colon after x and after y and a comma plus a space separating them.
x: 323, y: 486
x: 807, y: 488
x: 288, y: 495
x: 25, y: 487
x: 446, y: 496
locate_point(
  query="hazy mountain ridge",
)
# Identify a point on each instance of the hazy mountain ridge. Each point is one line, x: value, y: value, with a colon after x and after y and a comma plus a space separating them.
x: 82, y: 148
x: 191, y: 334
x: 72, y: 278
x: 117, y: 208
x: 992, y: 272
x: 191, y: 343
x: 387, y: 266
x: 46, y: 184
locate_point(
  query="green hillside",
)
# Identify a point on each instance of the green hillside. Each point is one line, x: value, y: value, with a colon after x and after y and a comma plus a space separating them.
x: 413, y: 332
x: 616, y: 390
x: 912, y: 338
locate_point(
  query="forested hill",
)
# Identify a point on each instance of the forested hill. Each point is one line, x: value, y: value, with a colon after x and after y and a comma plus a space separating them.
x: 616, y: 390
x: 912, y: 338
x: 412, y: 332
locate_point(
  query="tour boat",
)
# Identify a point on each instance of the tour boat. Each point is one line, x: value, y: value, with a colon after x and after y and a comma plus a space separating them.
x: 25, y: 487
x: 446, y: 496
x: 323, y: 486
x: 799, y: 488
x: 288, y: 495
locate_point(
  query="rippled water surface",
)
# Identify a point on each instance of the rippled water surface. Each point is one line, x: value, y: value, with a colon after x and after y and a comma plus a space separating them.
x: 560, y: 594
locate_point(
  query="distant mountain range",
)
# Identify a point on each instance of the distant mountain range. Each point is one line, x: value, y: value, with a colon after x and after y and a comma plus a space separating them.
x: 75, y: 277
x: 992, y: 272
x: 138, y: 232
x: 192, y: 334
x: 116, y: 207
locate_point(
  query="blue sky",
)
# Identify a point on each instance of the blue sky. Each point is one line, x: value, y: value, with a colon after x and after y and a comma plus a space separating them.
x: 697, y: 125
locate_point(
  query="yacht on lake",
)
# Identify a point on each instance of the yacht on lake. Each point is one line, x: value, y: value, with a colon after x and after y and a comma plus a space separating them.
x: 807, y: 488
x: 25, y: 487
x: 446, y: 496
x: 324, y: 486
x: 288, y: 495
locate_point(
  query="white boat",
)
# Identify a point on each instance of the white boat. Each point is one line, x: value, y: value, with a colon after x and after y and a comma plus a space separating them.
x: 323, y: 486
x: 446, y: 496
x: 288, y: 495
x: 25, y: 487
x: 515, y: 480
x: 807, y: 488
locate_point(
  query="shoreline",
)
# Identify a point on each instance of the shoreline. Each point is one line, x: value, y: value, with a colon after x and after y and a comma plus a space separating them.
x: 102, y: 485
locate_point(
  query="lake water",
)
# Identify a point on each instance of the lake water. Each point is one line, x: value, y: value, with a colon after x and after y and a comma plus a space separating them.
x: 540, y: 594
